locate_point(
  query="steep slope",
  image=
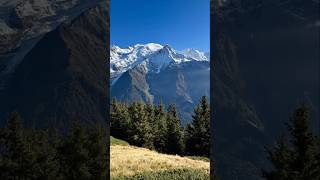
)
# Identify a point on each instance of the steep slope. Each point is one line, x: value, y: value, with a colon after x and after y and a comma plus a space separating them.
x: 238, y: 131
x: 62, y: 78
x: 24, y: 22
x: 268, y: 54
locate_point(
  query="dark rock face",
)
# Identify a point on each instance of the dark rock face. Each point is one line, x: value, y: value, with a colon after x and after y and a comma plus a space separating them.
x: 267, y: 56
x: 23, y: 22
x: 182, y: 84
x: 238, y: 130
x: 63, y: 77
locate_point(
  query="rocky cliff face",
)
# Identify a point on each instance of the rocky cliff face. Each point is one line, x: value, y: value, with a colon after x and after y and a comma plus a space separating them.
x: 62, y: 77
x: 182, y: 85
x: 23, y: 23
x: 268, y: 56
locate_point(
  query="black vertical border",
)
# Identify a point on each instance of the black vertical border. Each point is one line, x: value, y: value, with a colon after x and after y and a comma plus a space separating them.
x: 318, y: 59
x: 214, y: 53
x: 107, y: 45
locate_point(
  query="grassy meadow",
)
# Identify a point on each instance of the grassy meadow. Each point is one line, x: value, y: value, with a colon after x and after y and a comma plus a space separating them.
x: 130, y: 162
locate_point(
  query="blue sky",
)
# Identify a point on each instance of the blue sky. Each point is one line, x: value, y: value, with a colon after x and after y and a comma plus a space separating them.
x: 179, y: 23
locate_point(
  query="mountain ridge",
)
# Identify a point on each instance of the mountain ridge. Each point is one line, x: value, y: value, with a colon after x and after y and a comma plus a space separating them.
x: 62, y: 79
x: 160, y: 74
x: 153, y: 56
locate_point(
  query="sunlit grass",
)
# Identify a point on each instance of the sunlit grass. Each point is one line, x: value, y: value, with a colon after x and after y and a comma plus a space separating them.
x: 130, y: 161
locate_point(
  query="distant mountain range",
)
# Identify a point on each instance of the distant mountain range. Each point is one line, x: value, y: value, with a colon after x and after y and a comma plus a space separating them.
x: 158, y: 73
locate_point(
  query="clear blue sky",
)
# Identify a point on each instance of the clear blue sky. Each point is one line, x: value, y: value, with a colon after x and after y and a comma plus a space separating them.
x: 179, y: 23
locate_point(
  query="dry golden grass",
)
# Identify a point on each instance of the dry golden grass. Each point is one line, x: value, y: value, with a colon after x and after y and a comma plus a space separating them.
x: 129, y: 160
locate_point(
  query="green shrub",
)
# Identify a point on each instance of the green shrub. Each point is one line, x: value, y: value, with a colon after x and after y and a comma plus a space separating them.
x: 115, y: 141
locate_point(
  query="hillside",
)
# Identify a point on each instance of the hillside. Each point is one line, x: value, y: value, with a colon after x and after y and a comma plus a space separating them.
x: 263, y: 71
x: 129, y: 162
x: 62, y: 77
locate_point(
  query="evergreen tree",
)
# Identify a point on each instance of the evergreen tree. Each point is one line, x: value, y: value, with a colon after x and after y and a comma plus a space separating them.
x: 150, y: 115
x: 140, y: 127
x: 46, y: 165
x: 161, y: 131
x: 31, y: 154
x: 17, y: 160
x: 97, y: 148
x: 296, y: 158
x: 74, y: 156
x: 189, y: 139
x: 198, y: 132
x: 175, y: 141
x: 120, y: 119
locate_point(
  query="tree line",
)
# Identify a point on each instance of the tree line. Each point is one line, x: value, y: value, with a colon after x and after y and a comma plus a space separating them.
x: 28, y: 153
x: 296, y: 154
x: 158, y: 128
x: 32, y: 154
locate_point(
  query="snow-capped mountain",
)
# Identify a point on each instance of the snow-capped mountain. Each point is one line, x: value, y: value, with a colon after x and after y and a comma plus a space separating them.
x: 195, y: 54
x: 159, y: 73
x: 153, y: 57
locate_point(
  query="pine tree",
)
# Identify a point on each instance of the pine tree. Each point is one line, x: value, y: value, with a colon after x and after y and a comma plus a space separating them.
x: 189, y: 139
x: 120, y: 120
x: 296, y: 158
x: 161, y: 131
x: 150, y: 115
x: 17, y: 160
x: 280, y: 158
x: 97, y: 148
x: 46, y: 165
x: 140, y: 127
x: 198, y: 132
x: 74, y: 156
x: 32, y: 154
x: 175, y: 141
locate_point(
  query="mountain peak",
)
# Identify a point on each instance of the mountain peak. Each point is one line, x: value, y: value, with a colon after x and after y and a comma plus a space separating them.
x: 195, y: 54
x: 149, y: 46
x: 153, y: 56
